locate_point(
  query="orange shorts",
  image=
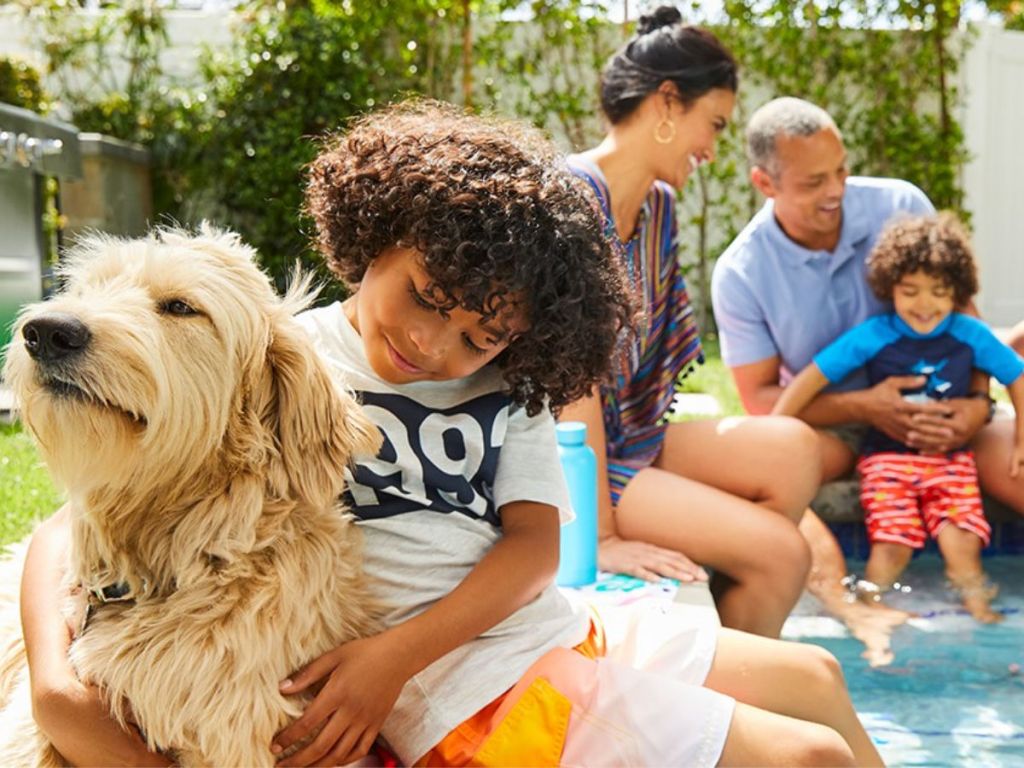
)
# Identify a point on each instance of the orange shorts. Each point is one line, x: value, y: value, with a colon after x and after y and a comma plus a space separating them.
x: 579, y: 707
x: 908, y: 497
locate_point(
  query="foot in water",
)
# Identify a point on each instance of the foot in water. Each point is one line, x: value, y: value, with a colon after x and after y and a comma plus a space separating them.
x: 865, y: 616
x: 976, y: 592
x: 873, y: 624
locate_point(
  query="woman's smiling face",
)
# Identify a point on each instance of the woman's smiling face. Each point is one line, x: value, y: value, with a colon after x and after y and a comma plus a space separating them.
x: 408, y: 338
x: 697, y: 128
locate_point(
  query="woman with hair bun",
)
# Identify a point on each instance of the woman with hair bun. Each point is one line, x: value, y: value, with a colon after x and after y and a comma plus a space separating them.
x: 727, y: 493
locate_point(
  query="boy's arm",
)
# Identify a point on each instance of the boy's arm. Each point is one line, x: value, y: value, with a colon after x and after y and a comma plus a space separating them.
x: 800, y: 392
x: 1016, y: 391
x: 73, y: 716
x: 617, y: 555
x: 365, y: 677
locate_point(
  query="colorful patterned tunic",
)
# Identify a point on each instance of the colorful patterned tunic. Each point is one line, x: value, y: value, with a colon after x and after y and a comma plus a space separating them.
x: 667, y: 344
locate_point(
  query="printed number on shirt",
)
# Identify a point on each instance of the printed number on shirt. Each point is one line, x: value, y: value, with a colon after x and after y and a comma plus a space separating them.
x: 432, y: 459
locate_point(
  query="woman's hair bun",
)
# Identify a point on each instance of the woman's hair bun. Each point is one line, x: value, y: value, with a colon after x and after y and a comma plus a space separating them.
x: 664, y: 16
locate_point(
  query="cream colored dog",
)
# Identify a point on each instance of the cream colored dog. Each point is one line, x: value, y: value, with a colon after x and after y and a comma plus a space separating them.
x: 202, y: 445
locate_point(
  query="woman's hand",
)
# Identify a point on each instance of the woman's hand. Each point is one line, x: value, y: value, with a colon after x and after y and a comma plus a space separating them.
x: 646, y: 561
x: 361, y: 682
x: 77, y: 721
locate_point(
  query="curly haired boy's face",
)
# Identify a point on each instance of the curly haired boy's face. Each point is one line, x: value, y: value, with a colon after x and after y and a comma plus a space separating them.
x: 407, y: 338
x: 922, y: 301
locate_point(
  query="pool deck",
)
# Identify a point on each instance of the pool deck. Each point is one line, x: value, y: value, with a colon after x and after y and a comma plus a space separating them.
x: 698, y: 595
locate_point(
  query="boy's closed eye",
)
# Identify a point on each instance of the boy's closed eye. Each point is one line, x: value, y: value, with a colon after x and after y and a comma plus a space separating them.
x: 420, y: 299
x: 425, y: 303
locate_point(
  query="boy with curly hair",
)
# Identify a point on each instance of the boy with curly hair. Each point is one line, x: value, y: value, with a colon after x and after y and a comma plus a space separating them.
x: 484, y: 295
x: 925, y: 266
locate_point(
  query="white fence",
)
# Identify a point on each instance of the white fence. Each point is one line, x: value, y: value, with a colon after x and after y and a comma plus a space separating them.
x: 993, y: 121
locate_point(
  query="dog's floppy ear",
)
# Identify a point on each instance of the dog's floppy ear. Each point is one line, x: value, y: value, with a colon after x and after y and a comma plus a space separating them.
x: 320, y: 427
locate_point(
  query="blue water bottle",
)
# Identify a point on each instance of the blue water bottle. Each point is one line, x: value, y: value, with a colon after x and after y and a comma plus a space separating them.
x: 577, y: 563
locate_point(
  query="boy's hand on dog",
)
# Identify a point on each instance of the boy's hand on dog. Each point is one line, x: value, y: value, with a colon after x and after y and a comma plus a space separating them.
x: 360, y: 681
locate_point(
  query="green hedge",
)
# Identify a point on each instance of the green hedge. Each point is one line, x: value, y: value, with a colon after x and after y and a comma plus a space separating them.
x: 21, y: 85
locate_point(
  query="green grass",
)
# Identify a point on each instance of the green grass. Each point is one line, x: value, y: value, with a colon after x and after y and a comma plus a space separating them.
x: 713, y: 378
x: 26, y: 493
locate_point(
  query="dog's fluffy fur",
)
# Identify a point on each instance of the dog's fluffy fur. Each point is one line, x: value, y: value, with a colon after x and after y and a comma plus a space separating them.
x: 203, y: 456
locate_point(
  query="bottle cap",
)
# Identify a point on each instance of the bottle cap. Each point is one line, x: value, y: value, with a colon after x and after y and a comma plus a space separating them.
x: 571, y: 432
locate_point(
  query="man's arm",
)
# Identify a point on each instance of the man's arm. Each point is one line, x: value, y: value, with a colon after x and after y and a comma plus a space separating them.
x: 929, y: 427
x: 882, y: 405
x: 759, y: 390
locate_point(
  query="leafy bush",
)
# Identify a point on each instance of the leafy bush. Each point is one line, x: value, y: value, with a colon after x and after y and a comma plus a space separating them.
x: 297, y: 76
x: 21, y: 85
x: 234, y: 150
x: 104, y: 66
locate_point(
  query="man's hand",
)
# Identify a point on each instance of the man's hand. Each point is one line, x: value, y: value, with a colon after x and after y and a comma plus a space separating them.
x: 646, y: 561
x: 947, y: 426
x: 884, y: 407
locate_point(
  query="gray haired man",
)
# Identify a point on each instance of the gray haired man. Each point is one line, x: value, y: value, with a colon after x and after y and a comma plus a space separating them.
x: 793, y: 280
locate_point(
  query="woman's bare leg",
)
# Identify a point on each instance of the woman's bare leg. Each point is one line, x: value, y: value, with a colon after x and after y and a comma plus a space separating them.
x: 760, y: 551
x: 873, y: 623
x: 772, y: 461
x: 734, y: 466
x: 793, y: 679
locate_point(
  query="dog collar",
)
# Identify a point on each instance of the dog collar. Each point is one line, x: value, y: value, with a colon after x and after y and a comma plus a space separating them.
x: 119, y: 592
x: 112, y: 593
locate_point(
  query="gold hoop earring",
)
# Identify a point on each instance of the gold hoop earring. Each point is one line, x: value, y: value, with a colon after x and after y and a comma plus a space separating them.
x: 658, y: 137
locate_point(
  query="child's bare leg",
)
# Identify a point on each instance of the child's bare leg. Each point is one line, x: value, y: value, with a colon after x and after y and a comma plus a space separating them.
x: 759, y: 737
x: 886, y: 563
x: 792, y: 679
x: 962, y: 552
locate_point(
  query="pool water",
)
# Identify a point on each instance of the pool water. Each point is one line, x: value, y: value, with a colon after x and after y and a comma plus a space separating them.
x: 954, y: 696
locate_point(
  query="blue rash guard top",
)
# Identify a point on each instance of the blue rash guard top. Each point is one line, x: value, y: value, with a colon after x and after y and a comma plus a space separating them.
x: 884, y: 346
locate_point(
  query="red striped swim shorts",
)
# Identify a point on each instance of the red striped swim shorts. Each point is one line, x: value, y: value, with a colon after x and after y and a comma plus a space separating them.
x: 907, y: 496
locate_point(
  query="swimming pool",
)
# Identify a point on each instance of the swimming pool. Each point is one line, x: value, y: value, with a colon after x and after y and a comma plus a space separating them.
x: 954, y: 696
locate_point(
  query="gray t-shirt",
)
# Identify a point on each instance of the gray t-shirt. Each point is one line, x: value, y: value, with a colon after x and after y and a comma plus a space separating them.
x: 454, y: 453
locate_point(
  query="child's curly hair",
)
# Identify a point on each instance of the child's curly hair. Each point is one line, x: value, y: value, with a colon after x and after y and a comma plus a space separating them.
x: 496, y: 213
x: 937, y: 245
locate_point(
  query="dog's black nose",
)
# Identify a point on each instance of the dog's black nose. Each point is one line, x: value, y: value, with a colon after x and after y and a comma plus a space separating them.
x: 55, y: 336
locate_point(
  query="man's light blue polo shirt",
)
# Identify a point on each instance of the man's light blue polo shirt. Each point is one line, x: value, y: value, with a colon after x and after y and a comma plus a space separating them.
x: 772, y: 296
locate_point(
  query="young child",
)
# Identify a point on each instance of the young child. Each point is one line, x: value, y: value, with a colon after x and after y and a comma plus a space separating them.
x: 485, y: 295
x: 925, y: 266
